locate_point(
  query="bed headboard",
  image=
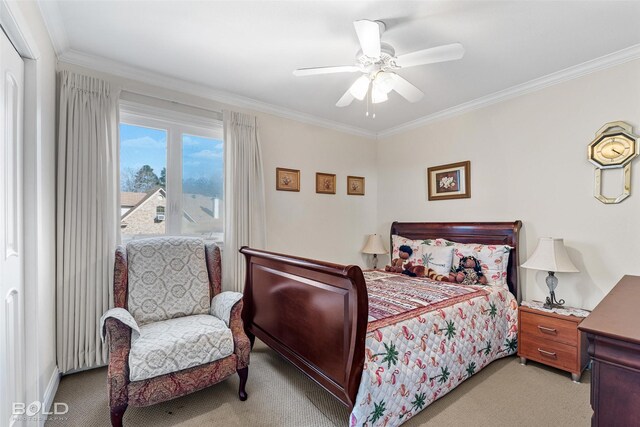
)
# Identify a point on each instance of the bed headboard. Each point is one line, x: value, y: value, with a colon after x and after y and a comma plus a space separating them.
x: 488, y: 233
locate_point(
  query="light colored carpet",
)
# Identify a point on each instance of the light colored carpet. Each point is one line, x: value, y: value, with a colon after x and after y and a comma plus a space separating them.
x: 502, y: 394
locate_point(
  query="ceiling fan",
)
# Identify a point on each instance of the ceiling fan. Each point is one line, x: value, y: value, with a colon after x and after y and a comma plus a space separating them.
x: 378, y: 63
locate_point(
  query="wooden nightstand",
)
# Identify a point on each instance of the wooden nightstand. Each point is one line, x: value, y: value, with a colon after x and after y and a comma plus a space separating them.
x: 552, y: 339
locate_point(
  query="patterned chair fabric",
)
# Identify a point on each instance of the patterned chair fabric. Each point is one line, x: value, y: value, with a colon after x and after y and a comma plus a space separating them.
x: 152, y: 390
x: 168, y: 278
x: 176, y: 344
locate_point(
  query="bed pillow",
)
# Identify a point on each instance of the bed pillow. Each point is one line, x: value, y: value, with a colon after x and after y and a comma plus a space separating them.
x: 398, y: 241
x: 436, y: 257
x: 494, y: 259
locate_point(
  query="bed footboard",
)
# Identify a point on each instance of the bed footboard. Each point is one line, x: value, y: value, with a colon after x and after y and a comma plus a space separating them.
x: 311, y: 312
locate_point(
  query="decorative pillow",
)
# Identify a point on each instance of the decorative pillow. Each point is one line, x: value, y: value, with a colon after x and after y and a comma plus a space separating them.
x: 437, y: 242
x: 413, y: 244
x: 436, y: 257
x: 494, y: 259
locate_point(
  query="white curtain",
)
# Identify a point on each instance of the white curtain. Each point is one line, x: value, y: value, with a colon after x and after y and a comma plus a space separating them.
x: 245, y: 220
x: 87, y: 214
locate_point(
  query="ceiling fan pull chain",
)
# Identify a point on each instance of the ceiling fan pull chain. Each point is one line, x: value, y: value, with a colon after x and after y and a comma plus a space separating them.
x: 373, y: 109
x: 368, y: 102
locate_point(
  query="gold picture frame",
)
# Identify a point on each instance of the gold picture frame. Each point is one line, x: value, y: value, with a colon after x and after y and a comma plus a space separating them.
x: 452, y: 181
x: 325, y: 183
x: 287, y: 179
x: 355, y: 185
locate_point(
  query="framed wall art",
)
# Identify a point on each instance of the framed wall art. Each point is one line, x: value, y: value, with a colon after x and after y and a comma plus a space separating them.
x: 355, y: 185
x: 325, y: 183
x: 287, y: 179
x: 452, y: 181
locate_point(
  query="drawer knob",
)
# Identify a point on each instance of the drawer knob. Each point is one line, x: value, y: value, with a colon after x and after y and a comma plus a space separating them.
x: 547, y: 353
x: 547, y: 330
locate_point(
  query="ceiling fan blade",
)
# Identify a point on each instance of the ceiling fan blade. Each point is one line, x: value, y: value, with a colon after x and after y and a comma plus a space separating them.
x: 325, y: 70
x: 346, y: 99
x: 448, y: 52
x: 369, y: 35
x: 406, y: 89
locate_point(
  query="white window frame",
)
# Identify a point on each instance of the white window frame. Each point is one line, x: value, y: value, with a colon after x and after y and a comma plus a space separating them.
x: 176, y: 124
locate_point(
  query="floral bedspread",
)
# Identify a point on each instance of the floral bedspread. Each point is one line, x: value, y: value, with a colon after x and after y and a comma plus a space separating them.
x: 411, y: 362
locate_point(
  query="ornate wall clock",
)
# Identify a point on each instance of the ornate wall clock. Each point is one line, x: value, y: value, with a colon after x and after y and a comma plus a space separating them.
x: 614, y: 146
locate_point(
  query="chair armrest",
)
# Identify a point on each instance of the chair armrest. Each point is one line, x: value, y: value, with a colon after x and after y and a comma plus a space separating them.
x: 222, y: 305
x: 119, y: 337
x: 123, y: 316
x: 242, y: 345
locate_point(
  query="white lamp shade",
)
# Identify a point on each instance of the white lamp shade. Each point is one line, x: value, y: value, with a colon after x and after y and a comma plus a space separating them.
x: 374, y: 245
x: 551, y: 255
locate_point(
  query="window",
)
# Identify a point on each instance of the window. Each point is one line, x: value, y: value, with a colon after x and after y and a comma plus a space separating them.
x: 171, y: 173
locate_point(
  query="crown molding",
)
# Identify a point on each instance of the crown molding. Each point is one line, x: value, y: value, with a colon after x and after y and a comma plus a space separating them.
x: 607, y: 61
x: 54, y: 24
x: 107, y: 66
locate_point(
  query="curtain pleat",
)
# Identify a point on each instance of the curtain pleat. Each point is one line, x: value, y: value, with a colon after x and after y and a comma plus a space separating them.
x: 87, y: 213
x: 245, y: 217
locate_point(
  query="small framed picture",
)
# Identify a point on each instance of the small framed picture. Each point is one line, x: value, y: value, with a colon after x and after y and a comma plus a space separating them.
x: 355, y: 185
x: 287, y: 179
x: 452, y: 181
x: 325, y: 183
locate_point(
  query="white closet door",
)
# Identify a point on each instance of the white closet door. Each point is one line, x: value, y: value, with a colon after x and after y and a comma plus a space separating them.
x: 12, y: 339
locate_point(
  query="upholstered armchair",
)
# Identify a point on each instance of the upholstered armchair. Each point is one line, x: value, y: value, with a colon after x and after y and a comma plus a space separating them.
x: 172, y: 331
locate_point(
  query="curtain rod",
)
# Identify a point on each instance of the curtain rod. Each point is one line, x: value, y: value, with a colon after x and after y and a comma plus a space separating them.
x: 217, y: 113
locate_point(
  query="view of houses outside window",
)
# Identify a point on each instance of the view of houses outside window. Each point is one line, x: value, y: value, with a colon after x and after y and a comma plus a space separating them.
x: 171, y: 180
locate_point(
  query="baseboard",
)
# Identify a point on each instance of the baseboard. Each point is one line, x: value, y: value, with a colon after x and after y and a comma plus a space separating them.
x: 50, y: 392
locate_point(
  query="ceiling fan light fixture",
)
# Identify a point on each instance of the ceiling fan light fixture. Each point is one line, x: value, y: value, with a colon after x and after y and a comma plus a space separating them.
x: 384, y: 82
x: 377, y: 95
x: 378, y: 62
x: 360, y: 87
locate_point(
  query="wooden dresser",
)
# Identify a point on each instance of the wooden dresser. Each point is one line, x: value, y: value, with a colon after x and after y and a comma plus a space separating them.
x: 552, y: 339
x: 613, y: 331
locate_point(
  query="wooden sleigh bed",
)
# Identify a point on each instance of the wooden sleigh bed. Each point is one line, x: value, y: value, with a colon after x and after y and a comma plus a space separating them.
x: 315, y: 314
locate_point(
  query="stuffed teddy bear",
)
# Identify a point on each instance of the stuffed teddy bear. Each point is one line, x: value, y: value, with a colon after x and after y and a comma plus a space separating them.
x: 397, y: 265
x: 469, y: 272
x: 422, y: 271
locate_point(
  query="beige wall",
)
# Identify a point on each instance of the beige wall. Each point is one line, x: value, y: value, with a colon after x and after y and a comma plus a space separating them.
x: 528, y: 162
x: 321, y: 226
x: 326, y: 227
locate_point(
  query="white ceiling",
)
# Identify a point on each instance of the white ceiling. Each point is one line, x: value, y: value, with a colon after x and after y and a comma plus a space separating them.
x: 249, y: 48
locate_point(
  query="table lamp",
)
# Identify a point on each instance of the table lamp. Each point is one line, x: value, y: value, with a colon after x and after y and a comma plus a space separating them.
x: 374, y: 246
x: 551, y: 255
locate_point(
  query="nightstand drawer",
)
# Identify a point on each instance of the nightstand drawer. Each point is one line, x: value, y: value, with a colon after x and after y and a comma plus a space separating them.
x: 549, y: 352
x: 551, y: 328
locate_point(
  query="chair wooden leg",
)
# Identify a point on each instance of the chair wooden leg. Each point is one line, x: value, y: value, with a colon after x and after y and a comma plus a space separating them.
x: 243, y: 374
x: 117, y: 413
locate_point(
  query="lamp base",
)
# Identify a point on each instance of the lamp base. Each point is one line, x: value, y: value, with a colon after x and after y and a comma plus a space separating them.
x: 551, y: 302
x: 375, y: 261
